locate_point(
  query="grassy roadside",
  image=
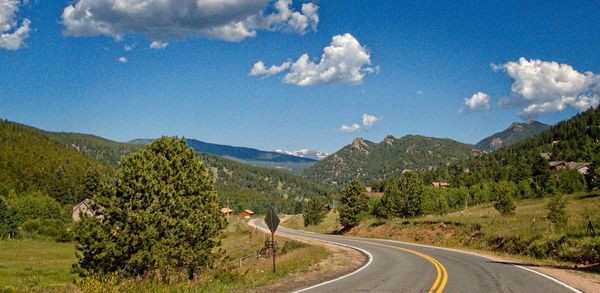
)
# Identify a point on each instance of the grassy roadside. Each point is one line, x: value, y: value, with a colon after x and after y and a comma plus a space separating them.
x: 527, y: 234
x: 34, y: 265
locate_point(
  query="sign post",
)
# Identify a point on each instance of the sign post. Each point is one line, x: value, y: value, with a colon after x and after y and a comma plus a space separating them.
x: 272, y: 221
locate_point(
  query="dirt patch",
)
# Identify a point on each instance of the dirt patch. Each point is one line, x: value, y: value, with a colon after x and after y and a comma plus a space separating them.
x: 430, y: 233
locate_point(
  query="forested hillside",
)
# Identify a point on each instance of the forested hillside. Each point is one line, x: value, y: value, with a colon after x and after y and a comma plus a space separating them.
x: 32, y: 161
x: 255, y: 188
x: 576, y: 139
x: 366, y: 160
x: 95, y: 147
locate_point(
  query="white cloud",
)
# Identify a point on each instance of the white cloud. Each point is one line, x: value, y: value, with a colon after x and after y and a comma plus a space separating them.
x: 158, y: 45
x: 259, y: 68
x: 129, y: 48
x: 367, y: 122
x: 542, y: 87
x: 12, y: 36
x: 229, y: 20
x: 345, y: 60
x: 478, y: 102
x: 419, y: 92
x: 123, y: 59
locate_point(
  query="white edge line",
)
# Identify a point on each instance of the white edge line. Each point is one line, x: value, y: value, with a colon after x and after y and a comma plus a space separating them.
x: 549, y: 278
x: 368, y: 254
x: 473, y: 254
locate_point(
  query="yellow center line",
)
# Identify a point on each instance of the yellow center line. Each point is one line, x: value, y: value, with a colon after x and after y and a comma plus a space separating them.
x: 442, y: 274
x: 441, y: 278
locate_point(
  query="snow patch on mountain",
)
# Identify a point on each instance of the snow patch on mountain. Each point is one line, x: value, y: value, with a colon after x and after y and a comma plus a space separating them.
x: 305, y: 153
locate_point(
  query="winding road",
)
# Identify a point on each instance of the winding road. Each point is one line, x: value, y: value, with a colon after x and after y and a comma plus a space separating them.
x: 402, y: 267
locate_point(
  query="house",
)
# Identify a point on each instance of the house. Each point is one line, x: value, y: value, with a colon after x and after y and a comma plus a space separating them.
x: 227, y: 212
x: 86, y: 209
x: 581, y: 167
x: 546, y: 155
x: 440, y: 184
x: 246, y: 214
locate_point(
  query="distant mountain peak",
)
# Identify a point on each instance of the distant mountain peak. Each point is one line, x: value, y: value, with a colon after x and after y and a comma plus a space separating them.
x: 517, y: 131
x: 389, y: 139
x: 360, y: 144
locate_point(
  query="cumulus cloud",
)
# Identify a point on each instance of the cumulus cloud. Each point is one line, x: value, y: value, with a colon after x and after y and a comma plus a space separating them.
x: 229, y: 20
x: 158, y: 45
x: 345, y: 60
x: 12, y: 35
x: 259, y: 68
x: 542, y: 87
x: 478, y: 102
x: 367, y: 122
x: 123, y: 59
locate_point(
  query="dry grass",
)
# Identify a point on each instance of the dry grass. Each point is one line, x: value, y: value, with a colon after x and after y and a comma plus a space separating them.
x: 329, y: 225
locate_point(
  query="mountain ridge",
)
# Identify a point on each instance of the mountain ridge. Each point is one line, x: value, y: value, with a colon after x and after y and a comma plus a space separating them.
x: 366, y: 160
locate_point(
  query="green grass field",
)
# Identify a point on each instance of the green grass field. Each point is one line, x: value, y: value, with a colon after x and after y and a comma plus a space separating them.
x: 33, y: 263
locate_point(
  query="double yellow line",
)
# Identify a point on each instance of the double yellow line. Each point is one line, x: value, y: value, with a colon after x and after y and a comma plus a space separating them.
x: 442, y: 275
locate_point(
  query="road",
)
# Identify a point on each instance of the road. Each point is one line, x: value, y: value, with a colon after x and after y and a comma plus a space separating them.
x: 402, y: 267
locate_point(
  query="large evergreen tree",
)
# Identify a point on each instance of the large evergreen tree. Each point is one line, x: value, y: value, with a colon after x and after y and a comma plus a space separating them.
x: 314, y: 211
x: 353, y: 203
x: 161, y: 217
x: 403, y: 196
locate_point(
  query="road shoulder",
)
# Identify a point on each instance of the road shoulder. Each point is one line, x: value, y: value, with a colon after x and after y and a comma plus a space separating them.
x: 341, y: 261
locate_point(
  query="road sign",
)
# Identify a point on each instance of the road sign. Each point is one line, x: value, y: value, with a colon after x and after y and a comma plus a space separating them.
x: 272, y: 220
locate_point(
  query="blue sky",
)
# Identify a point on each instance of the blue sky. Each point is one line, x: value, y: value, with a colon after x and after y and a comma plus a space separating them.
x: 425, y: 58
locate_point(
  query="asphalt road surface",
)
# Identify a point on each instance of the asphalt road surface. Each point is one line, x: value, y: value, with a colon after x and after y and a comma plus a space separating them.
x: 402, y: 267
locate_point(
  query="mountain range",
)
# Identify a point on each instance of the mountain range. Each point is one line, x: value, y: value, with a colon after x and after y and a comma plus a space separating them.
x: 366, y: 160
x: 290, y: 162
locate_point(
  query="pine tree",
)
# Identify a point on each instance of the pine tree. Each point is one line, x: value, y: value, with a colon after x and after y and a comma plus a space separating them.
x: 161, y: 217
x: 353, y: 203
x: 314, y: 212
x: 503, y: 198
x: 403, y: 196
x: 557, y: 211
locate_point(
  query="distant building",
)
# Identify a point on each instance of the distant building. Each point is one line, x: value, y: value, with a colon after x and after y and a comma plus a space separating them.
x: 546, y: 155
x: 246, y: 214
x: 368, y: 188
x: 227, y: 212
x: 85, y: 209
x: 440, y: 184
x: 581, y: 167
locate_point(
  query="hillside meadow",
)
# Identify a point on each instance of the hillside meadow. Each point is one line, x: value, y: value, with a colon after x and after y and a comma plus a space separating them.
x: 527, y: 233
